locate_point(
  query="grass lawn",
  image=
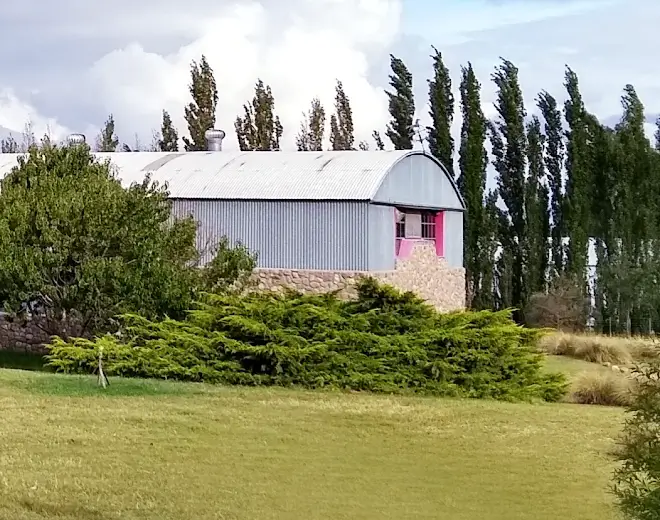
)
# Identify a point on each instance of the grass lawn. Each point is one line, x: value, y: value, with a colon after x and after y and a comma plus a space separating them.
x: 157, y: 450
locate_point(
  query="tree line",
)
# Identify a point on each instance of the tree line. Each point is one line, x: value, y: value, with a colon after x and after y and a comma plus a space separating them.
x: 564, y: 180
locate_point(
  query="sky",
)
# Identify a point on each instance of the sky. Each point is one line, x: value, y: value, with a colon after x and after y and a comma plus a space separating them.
x: 68, y: 64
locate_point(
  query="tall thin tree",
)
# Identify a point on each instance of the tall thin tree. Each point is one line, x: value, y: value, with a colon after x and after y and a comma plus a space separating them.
x: 441, y: 102
x: 200, y: 112
x: 259, y: 128
x: 401, y: 106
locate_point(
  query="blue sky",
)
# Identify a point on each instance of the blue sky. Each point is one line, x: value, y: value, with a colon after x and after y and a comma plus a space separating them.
x: 76, y: 63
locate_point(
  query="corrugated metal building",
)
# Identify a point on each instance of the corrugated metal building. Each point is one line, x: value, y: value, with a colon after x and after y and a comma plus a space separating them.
x: 339, y: 211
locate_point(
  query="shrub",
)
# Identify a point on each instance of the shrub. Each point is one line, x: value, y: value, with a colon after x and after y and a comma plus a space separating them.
x: 384, y: 341
x: 563, y: 307
x: 605, y: 389
x: 637, y: 479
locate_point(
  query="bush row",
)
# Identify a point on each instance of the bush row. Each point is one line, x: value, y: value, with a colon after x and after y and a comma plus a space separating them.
x: 383, y: 341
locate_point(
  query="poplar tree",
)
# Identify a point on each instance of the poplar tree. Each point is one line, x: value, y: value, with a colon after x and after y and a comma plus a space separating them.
x: 473, y: 160
x: 259, y: 128
x: 576, y: 207
x: 536, y: 211
x: 554, y: 160
x: 380, y: 145
x: 107, y: 140
x: 312, y: 128
x: 169, y: 137
x: 341, y: 122
x: 200, y: 112
x: 401, y: 106
x: 441, y: 102
x: 509, y: 146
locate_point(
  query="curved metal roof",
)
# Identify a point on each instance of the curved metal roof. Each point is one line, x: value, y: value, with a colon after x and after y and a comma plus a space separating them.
x: 342, y: 175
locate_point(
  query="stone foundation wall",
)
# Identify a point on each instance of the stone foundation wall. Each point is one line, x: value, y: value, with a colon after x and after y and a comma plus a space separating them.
x: 22, y: 335
x: 423, y: 272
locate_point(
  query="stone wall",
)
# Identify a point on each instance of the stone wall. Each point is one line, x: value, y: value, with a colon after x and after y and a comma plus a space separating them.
x: 22, y: 335
x: 423, y: 272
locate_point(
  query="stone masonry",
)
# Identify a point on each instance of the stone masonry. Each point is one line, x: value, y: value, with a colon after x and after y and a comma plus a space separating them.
x: 22, y: 335
x: 423, y: 273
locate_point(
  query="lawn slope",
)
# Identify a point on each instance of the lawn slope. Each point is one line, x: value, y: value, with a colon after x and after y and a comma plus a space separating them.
x: 158, y: 450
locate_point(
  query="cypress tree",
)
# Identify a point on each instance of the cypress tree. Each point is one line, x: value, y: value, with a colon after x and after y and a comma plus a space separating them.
x: 509, y: 146
x: 554, y: 160
x: 401, y: 106
x: 472, y: 183
x: 441, y: 102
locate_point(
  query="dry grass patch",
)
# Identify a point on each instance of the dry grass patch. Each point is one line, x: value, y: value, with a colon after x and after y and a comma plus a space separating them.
x: 596, y: 348
x: 607, y: 389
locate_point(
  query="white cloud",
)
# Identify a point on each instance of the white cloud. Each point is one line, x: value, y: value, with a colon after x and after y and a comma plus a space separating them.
x: 299, y: 60
x: 135, y: 66
x: 15, y: 115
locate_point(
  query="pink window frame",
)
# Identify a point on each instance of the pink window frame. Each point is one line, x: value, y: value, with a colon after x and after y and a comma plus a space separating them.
x: 403, y: 246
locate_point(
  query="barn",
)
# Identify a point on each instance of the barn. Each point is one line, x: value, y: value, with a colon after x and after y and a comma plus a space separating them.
x: 320, y: 220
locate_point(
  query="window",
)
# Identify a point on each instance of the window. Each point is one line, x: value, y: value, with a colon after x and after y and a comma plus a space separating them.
x: 428, y: 225
x: 400, y: 225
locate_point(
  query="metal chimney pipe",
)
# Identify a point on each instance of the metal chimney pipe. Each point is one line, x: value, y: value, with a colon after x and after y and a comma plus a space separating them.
x: 214, y: 140
x: 75, y: 139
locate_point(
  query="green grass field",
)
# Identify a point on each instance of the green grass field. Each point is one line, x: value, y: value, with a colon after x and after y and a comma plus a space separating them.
x: 158, y: 450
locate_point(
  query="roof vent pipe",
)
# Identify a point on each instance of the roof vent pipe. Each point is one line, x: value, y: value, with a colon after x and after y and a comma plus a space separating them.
x: 75, y: 139
x: 214, y: 140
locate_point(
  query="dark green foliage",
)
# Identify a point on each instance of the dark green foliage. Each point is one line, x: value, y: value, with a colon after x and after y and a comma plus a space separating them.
x: 471, y: 181
x: 383, y: 341
x: 401, y: 106
x: 342, y: 131
x: 259, y: 128
x: 637, y: 479
x: 537, y: 212
x: 169, y: 137
x: 509, y: 144
x: 231, y: 267
x: 554, y: 160
x: 200, y: 113
x: 441, y: 103
x: 107, y: 140
x: 75, y: 243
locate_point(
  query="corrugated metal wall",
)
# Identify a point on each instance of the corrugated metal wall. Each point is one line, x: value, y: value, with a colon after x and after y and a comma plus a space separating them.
x: 418, y: 182
x: 454, y: 238
x: 287, y: 235
x: 381, y: 239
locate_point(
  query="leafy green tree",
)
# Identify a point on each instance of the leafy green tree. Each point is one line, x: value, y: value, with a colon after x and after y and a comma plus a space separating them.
x: 200, y: 113
x: 342, y: 132
x: 312, y: 128
x: 473, y: 160
x: 259, y: 128
x: 554, y: 160
x: 107, y: 140
x: 509, y: 146
x: 401, y: 106
x: 169, y: 137
x: 441, y: 101
x: 488, y: 245
x: 231, y: 267
x: 78, y: 247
